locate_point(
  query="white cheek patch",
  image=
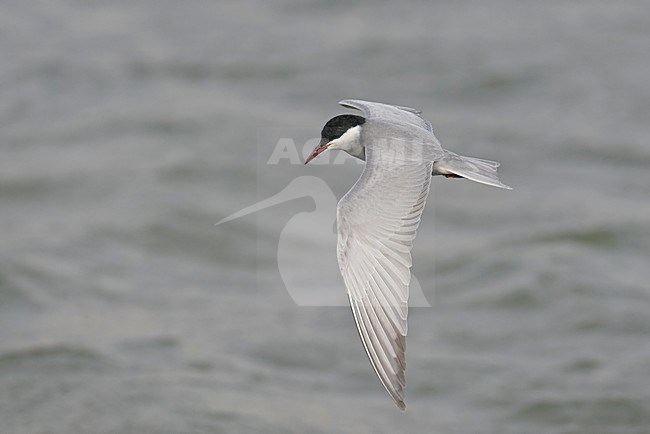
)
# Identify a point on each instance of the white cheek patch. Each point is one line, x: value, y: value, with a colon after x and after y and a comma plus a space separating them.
x: 349, y: 140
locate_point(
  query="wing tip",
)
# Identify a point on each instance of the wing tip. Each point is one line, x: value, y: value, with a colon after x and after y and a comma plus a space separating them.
x: 505, y: 187
x: 501, y: 185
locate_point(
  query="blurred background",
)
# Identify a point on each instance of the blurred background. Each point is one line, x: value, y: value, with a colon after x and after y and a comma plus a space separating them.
x: 128, y: 128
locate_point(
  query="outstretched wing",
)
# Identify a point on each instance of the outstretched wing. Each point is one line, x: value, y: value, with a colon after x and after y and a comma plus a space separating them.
x: 377, y: 223
x: 397, y: 114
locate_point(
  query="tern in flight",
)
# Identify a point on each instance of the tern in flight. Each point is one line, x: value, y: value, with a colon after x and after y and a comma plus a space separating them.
x: 378, y: 218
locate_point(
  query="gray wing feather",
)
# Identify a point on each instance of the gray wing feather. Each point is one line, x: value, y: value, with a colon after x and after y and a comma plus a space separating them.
x: 377, y: 223
x: 399, y: 114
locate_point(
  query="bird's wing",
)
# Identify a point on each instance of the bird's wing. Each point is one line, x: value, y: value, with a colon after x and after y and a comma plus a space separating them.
x: 377, y: 223
x: 393, y: 113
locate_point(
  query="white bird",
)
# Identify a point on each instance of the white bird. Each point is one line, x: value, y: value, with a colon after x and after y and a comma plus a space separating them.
x: 378, y: 218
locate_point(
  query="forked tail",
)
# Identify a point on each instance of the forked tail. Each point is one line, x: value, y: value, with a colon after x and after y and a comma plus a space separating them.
x: 474, y: 169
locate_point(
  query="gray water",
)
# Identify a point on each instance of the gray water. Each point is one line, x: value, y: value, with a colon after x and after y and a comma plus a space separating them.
x: 128, y: 128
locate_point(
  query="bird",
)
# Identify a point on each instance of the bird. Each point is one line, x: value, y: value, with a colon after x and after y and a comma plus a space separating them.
x: 377, y: 220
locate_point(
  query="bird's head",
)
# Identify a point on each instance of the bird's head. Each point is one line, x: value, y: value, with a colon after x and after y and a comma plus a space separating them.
x: 341, y: 132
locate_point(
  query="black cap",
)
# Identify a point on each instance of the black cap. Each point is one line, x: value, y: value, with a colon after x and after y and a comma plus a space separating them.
x: 338, y: 125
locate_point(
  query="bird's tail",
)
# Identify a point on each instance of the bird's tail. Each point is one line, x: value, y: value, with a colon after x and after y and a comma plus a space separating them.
x: 474, y: 169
